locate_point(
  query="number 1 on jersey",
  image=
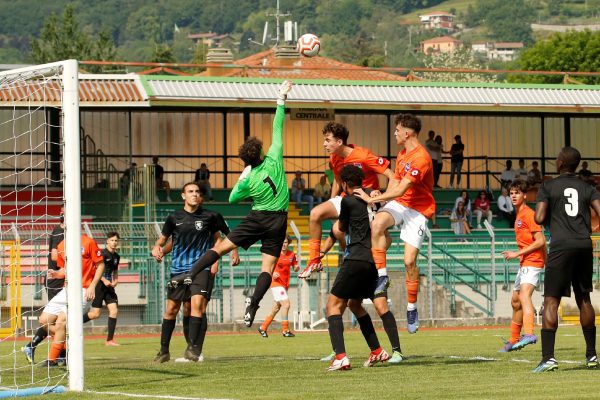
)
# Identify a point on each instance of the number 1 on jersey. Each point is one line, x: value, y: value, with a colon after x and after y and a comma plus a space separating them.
x: 269, y: 182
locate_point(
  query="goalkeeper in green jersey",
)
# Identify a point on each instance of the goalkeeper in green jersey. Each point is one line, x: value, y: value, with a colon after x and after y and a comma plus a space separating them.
x: 264, y: 180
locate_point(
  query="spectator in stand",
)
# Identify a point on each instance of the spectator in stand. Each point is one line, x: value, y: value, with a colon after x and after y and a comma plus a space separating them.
x: 505, y: 207
x: 201, y: 177
x: 458, y: 219
x: 586, y: 175
x: 521, y: 171
x: 322, y: 190
x: 437, y: 168
x: 534, y: 176
x: 464, y: 197
x: 508, y: 175
x: 456, y: 160
x: 298, y: 188
x: 433, y: 149
x: 159, y: 177
x: 482, y: 208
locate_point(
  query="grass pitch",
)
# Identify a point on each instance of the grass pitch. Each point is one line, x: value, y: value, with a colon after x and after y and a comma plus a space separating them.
x: 441, y: 363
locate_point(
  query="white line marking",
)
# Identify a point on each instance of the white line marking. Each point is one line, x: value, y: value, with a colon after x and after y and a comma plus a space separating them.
x: 150, y: 396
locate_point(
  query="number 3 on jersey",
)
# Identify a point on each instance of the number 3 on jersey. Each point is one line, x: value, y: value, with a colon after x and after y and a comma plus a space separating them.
x: 269, y: 182
x: 572, y: 205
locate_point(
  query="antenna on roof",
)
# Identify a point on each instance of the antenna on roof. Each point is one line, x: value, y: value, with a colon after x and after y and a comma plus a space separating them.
x: 287, y: 31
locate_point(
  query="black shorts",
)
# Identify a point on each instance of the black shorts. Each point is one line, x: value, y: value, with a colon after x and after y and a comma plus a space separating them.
x: 203, y: 284
x: 106, y: 294
x: 269, y: 227
x: 181, y: 293
x: 355, y: 280
x: 566, y: 268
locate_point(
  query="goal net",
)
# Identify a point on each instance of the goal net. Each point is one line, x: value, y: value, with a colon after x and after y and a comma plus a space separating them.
x: 39, y: 175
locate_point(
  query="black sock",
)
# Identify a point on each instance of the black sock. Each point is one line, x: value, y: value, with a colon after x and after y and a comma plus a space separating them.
x: 168, y: 325
x: 38, y: 338
x: 548, y: 339
x: 391, y: 328
x: 263, y: 283
x: 186, y: 329
x: 209, y: 258
x: 336, y: 333
x: 194, y: 330
x: 202, y: 335
x: 589, y: 334
x: 112, y: 324
x: 86, y: 318
x: 368, y: 331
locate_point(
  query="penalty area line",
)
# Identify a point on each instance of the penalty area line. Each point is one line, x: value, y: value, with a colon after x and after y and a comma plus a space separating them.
x: 151, y: 396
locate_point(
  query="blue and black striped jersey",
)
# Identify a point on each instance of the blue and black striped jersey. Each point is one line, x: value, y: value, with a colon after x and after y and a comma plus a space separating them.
x: 192, y: 235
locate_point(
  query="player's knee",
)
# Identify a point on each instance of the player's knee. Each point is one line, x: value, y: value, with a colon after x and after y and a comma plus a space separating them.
x: 94, y: 313
x: 516, y: 304
x: 378, y: 227
x: 381, y: 306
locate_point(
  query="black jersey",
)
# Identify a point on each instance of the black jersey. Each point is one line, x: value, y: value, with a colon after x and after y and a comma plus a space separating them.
x: 354, y: 216
x: 192, y: 235
x: 57, y: 236
x: 568, y: 216
x: 111, y: 263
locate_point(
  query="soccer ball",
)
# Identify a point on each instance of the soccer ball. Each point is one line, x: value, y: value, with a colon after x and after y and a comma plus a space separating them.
x: 309, y: 45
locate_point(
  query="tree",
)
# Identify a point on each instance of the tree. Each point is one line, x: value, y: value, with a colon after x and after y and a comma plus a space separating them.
x: 462, y: 58
x: 510, y: 21
x: 567, y: 52
x: 163, y: 54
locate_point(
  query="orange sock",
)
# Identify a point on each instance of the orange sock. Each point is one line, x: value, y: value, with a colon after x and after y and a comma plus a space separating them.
x: 412, y: 289
x: 265, y: 325
x: 515, y: 332
x: 528, y: 323
x: 314, y: 248
x: 285, y: 325
x: 379, y: 256
x: 55, y: 351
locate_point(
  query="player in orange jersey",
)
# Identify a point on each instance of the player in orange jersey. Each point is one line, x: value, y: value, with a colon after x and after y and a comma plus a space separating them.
x: 410, y: 204
x: 279, y: 287
x: 341, y: 153
x: 532, y: 254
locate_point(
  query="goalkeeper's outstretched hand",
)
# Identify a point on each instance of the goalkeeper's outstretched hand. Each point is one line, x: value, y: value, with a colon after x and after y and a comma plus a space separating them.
x: 283, y: 91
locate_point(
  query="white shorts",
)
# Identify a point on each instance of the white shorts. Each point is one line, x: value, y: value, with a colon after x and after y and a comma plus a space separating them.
x: 279, y: 293
x: 58, y: 304
x: 529, y: 275
x: 412, y: 223
x: 337, y: 203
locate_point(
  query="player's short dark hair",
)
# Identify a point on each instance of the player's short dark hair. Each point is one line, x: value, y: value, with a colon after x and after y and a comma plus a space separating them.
x: 251, y: 151
x: 520, y: 185
x: 409, y: 121
x: 195, y: 184
x: 570, y: 157
x: 112, y: 234
x: 288, y: 238
x: 337, y: 130
x: 352, y: 175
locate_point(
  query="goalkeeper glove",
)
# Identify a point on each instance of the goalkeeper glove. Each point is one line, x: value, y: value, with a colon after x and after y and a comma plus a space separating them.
x: 283, y: 91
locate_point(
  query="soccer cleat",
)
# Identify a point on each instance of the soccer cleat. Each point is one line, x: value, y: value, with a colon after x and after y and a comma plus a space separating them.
x: 396, y: 358
x: 341, y: 364
x: 29, y: 353
x: 250, y: 313
x: 192, y: 353
x: 162, y: 357
x: 328, y: 357
x: 412, y: 321
x: 546, y: 366
x: 524, y: 341
x: 49, y: 364
x: 288, y: 334
x: 314, y: 265
x: 263, y: 333
x: 591, y: 362
x: 383, y: 282
x: 508, y: 347
x: 111, y: 343
x: 379, y: 355
x: 181, y: 279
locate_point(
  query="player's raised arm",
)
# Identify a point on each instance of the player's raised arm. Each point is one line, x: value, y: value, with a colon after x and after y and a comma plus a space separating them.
x: 276, y: 149
x: 241, y: 189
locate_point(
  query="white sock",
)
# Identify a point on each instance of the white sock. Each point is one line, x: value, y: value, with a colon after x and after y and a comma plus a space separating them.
x: 382, y: 272
x: 411, y: 306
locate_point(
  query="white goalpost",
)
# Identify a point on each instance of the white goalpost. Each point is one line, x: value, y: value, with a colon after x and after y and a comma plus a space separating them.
x: 39, y: 172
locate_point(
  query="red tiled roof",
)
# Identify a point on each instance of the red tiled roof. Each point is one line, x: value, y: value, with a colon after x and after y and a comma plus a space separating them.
x: 265, y: 65
x: 443, y: 39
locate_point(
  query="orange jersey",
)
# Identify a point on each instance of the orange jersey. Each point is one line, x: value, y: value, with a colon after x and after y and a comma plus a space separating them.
x: 90, y: 256
x: 283, y: 267
x: 525, y: 227
x: 417, y: 166
x: 365, y: 160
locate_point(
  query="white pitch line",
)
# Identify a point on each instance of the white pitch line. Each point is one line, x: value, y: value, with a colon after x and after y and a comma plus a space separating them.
x: 481, y: 358
x: 153, y: 396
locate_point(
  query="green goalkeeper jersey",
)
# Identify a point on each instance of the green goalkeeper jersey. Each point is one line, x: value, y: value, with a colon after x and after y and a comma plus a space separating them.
x: 266, y: 183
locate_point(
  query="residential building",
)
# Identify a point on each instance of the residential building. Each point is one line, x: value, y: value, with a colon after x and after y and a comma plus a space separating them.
x: 438, y: 20
x: 444, y: 44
